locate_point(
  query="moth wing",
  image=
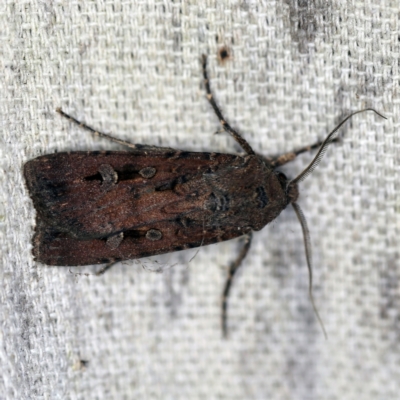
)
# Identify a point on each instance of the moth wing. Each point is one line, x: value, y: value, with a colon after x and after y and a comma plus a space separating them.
x: 53, y: 247
x: 95, y: 194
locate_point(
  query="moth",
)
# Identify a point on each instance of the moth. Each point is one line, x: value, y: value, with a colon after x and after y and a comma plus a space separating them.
x: 102, y: 207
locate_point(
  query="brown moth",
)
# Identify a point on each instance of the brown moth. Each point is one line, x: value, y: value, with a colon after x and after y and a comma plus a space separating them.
x: 106, y: 206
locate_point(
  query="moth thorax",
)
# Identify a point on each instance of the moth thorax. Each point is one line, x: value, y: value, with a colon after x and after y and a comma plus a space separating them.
x: 292, y: 192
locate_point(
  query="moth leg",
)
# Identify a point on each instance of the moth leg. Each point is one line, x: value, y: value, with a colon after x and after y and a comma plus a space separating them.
x: 139, y: 147
x: 232, y: 270
x: 106, y: 268
x: 243, y: 143
x: 283, y: 159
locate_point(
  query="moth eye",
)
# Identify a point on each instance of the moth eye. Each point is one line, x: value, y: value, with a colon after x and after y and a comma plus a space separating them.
x: 147, y: 172
x: 153, y: 234
x: 282, y: 178
x: 114, y: 241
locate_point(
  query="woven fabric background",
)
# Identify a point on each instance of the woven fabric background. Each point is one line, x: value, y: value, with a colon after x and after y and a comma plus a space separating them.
x: 132, y: 68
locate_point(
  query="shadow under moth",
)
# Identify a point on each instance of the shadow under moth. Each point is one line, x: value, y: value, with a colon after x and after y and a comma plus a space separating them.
x: 101, y: 207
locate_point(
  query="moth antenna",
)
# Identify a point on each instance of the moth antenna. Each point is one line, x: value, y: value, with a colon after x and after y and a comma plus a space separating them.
x: 307, y: 246
x: 322, y: 150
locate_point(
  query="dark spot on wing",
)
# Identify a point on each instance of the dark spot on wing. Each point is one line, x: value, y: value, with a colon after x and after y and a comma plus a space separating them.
x: 262, y: 197
x: 218, y: 202
x: 147, y: 172
x: 153, y: 234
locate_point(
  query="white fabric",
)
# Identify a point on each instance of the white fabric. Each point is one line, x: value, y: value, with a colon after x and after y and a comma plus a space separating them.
x: 132, y: 68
